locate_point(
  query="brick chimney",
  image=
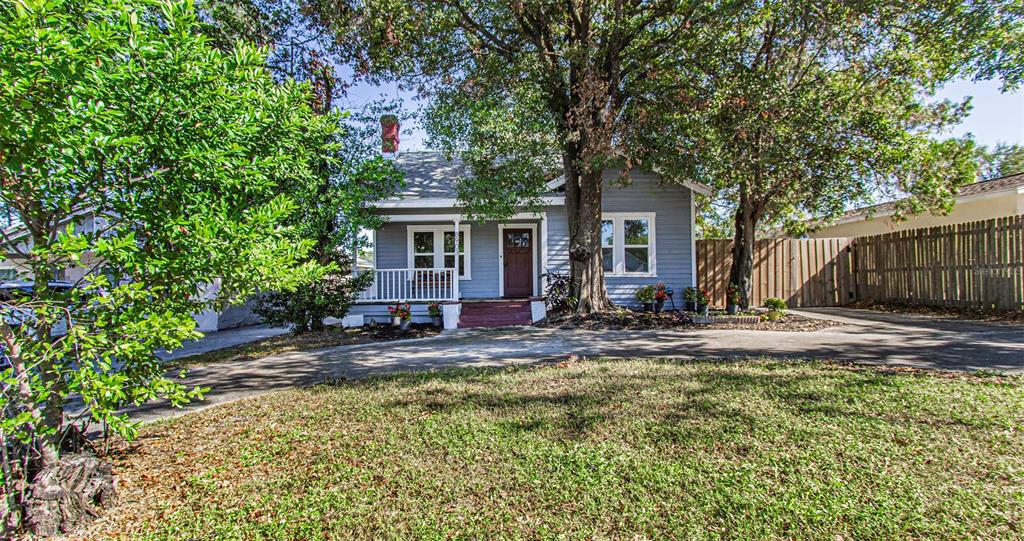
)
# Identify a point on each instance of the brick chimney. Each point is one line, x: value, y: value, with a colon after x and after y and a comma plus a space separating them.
x: 389, y: 134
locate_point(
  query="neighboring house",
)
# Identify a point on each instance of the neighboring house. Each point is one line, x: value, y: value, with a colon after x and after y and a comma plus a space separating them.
x: 13, y: 266
x: 983, y: 200
x: 648, y: 237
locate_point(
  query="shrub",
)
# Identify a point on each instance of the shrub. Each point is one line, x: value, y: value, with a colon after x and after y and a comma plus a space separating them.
x: 559, y: 295
x: 775, y: 304
x: 645, y: 294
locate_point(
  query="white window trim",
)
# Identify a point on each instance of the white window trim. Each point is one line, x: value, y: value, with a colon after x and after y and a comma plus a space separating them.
x: 439, y: 230
x: 619, y: 247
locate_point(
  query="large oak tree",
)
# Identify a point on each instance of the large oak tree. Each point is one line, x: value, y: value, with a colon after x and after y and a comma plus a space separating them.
x: 516, y: 86
x: 786, y: 106
x: 800, y: 109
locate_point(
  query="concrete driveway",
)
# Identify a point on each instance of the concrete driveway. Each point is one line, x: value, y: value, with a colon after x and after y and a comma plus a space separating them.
x: 865, y: 337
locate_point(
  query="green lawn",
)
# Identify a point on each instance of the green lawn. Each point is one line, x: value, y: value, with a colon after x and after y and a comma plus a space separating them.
x: 595, y: 449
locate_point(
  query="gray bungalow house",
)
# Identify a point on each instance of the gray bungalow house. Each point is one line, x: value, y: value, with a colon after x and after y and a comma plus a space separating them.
x: 490, y: 273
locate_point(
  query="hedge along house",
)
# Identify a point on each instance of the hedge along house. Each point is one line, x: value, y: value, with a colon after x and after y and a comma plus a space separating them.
x: 488, y: 273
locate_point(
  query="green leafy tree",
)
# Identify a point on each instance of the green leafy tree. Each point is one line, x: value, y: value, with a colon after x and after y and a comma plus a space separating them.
x: 526, y: 90
x: 800, y: 109
x: 1003, y: 160
x: 332, y: 211
x: 758, y: 98
x: 122, y: 111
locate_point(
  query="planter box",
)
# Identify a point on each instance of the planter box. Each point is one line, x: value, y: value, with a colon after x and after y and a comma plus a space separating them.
x: 710, y: 320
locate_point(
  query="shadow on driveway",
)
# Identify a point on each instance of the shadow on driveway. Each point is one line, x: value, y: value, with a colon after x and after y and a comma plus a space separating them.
x: 864, y: 337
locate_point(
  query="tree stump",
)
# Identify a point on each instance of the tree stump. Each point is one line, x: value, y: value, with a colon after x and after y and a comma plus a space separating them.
x: 68, y: 493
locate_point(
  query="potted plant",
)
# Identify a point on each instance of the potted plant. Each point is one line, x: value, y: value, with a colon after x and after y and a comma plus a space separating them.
x: 434, y: 309
x: 645, y: 296
x: 703, y: 298
x: 660, y: 294
x: 690, y: 296
x: 776, y: 308
x: 733, y: 298
x: 401, y: 315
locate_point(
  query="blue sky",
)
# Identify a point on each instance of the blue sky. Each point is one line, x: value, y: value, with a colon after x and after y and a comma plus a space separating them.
x: 995, y: 117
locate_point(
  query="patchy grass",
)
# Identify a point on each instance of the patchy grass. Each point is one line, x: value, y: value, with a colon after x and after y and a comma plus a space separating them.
x: 284, y: 343
x: 592, y: 449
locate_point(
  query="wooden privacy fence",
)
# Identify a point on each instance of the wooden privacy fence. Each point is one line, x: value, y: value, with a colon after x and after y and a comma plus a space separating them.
x: 974, y: 264
x: 802, y: 272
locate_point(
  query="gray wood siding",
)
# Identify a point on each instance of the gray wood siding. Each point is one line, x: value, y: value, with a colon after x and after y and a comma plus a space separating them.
x: 673, y: 240
x: 392, y: 253
x: 673, y: 237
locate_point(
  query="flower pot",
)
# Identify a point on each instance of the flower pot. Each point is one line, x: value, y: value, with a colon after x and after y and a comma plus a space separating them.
x: 405, y: 325
x: 648, y: 306
x: 691, y: 306
x: 436, y: 320
x: 396, y: 321
x: 732, y: 309
x: 702, y: 309
x: 659, y: 306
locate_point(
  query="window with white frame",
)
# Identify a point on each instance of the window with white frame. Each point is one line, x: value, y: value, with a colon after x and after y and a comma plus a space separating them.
x: 627, y: 244
x: 433, y: 247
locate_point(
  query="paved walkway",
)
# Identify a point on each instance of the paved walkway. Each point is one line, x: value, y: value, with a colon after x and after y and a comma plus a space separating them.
x: 865, y: 337
x: 223, y: 339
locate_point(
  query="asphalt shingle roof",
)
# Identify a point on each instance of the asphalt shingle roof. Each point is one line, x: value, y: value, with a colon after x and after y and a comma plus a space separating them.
x: 975, y: 188
x: 429, y: 174
x: 432, y: 175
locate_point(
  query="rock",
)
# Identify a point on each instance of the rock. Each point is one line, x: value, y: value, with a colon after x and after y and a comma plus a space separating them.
x: 68, y: 493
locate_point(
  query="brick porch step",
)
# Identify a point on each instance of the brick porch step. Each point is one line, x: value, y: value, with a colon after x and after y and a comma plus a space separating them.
x: 494, y: 314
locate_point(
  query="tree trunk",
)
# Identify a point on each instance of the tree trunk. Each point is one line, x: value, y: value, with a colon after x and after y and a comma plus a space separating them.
x: 743, y: 250
x: 53, y: 407
x: 583, y: 209
x: 68, y: 493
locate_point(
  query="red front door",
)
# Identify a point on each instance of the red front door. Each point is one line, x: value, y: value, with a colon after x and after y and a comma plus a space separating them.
x: 517, y: 247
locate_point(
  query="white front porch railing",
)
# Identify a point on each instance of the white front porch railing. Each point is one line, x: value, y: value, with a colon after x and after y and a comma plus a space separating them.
x: 411, y: 285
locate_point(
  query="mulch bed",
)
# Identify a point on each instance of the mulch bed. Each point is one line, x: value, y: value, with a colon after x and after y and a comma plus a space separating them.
x: 631, y: 320
x: 945, y: 312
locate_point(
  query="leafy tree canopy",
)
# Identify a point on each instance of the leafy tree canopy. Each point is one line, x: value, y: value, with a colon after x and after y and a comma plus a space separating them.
x: 184, y: 153
x: 1002, y: 160
x: 801, y: 109
x: 787, y: 107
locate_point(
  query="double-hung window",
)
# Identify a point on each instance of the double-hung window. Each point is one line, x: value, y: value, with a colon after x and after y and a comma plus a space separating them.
x: 627, y: 244
x: 434, y: 247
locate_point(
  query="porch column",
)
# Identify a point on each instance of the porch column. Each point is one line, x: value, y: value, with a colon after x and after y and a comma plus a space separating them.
x: 543, y: 253
x: 458, y: 252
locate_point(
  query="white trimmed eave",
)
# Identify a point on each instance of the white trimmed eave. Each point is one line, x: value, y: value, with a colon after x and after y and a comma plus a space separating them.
x: 409, y: 218
x: 863, y: 216
x: 697, y: 187
x: 445, y: 202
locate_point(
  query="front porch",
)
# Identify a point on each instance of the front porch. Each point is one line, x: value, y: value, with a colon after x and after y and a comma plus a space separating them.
x: 422, y: 257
